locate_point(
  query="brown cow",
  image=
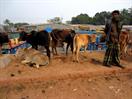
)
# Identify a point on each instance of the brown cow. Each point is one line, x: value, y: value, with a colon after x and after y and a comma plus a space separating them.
x: 93, y: 41
x: 123, y: 41
x: 103, y: 38
x: 60, y: 36
x: 79, y: 41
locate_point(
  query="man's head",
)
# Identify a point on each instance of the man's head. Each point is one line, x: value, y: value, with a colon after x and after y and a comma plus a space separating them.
x: 116, y: 15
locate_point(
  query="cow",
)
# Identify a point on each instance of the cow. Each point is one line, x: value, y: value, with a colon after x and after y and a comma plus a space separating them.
x: 4, y: 39
x: 93, y: 41
x: 62, y: 35
x: 32, y: 57
x: 103, y: 38
x: 123, y: 41
x: 130, y: 47
x: 35, y: 38
x: 80, y: 40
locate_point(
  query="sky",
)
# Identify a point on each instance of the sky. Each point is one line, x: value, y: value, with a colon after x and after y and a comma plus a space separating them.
x: 39, y: 11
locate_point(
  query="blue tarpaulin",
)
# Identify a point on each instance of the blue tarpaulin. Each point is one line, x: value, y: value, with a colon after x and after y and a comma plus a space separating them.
x: 85, y: 32
x: 48, y: 29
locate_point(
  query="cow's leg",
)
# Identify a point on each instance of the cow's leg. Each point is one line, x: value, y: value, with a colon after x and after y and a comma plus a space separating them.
x: 71, y: 45
x: 35, y: 46
x: 67, y: 48
x: 48, y: 51
x: 25, y: 61
x: 123, y: 53
x: 53, y: 44
x: 77, y: 53
x: 54, y: 50
x: 125, y: 50
x: 63, y: 46
x: 121, y: 48
x: 37, y: 66
x: 0, y: 48
x: 85, y: 48
x: 56, y: 43
x: 75, y: 47
x: 74, y: 54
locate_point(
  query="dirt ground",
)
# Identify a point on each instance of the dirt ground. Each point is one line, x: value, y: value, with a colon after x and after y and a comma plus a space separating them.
x: 65, y: 79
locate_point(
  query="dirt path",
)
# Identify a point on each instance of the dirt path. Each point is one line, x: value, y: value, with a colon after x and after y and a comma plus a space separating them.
x: 64, y: 79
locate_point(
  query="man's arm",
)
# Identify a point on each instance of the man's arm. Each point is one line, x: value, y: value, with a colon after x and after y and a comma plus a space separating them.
x: 107, y: 27
x: 120, y: 27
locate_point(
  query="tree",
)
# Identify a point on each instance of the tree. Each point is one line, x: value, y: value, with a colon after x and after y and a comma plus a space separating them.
x: 74, y: 20
x: 125, y: 17
x: 68, y: 22
x: 81, y: 19
x: 7, y: 22
x: 100, y: 18
x: 56, y: 20
x: 130, y: 12
x: 9, y: 26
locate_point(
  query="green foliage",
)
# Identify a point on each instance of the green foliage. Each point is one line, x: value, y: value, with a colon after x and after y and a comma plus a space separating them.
x: 100, y: 18
x: 126, y: 16
x: 81, y: 19
x: 130, y: 11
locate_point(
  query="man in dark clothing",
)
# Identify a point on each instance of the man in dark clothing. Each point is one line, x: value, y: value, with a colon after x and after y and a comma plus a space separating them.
x: 112, y: 30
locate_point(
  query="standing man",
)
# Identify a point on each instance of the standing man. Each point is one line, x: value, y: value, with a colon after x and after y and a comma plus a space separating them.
x: 112, y: 30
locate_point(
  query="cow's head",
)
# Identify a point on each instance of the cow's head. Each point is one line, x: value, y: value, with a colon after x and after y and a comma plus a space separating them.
x: 23, y: 36
x: 103, y: 38
x: 72, y: 33
x: 4, y: 38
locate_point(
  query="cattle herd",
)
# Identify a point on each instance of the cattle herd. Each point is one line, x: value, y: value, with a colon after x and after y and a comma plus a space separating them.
x: 69, y: 36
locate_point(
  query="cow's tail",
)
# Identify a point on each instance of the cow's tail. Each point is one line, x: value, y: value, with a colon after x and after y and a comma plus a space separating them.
x: 127, y: 43
x: 74, y: 44
x: 74, y: 47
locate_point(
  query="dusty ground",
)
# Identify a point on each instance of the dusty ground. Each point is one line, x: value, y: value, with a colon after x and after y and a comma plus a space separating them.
x: 64, y: 79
